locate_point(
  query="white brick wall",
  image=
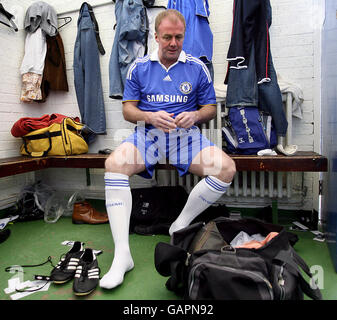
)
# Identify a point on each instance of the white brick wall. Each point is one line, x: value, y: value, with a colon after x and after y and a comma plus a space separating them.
x: 292, y: 44
x: 11, y: 109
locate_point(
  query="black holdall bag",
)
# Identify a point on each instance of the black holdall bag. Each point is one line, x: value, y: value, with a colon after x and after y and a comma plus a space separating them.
x: 201, y: 263
x: 155, y: 209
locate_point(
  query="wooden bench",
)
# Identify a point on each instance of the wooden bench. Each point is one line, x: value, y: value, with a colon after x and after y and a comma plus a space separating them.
x: 302, y: 161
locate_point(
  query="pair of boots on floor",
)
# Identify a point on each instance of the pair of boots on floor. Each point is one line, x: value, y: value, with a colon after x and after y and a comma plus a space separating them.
x: 80, y: 264
x: 119, y: 204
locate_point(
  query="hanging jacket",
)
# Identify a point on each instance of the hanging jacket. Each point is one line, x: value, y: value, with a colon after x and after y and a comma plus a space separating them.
x: 251, y: 22
x: 54, y: 72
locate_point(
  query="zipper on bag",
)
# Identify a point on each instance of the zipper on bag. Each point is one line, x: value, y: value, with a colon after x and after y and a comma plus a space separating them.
x: 64, y: 131
x: 249, y: 274
x: 280, y: 281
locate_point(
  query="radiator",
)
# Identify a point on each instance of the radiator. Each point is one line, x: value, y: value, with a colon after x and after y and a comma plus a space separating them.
x: 248, y: 188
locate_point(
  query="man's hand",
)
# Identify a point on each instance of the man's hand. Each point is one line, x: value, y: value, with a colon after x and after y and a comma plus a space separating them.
x: 186, y: 119
x: 162, y: 120
x: 159, y: 119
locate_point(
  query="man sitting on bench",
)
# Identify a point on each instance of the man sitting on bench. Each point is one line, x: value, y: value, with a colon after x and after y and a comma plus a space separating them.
x: 168, y: 92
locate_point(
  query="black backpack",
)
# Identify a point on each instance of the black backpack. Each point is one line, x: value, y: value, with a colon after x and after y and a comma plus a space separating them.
x: 154, y: 209
x: 248, y: 130
x: 202, y: 265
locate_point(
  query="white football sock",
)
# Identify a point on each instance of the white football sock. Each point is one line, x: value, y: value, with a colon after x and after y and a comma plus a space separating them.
x: 118, y: 200
x: 205, y: 193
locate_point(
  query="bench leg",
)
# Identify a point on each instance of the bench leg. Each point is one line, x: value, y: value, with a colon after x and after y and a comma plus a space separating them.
x: 87, y: 173
x: 274, y: 211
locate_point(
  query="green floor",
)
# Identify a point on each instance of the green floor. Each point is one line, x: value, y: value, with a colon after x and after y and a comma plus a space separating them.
x: 32, y: 243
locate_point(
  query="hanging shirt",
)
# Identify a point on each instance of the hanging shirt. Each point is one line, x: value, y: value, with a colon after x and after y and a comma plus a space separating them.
x: 31, y: 87
x: 35, y: 53
x: 198, y: 36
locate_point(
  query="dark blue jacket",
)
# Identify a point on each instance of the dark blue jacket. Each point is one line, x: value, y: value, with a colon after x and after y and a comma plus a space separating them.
x: 251, y: 22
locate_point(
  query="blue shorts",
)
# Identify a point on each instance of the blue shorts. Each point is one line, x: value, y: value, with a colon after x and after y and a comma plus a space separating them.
x: 179, y: 147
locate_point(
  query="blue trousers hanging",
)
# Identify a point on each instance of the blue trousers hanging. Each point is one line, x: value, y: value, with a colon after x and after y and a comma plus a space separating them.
x: 87, y: 76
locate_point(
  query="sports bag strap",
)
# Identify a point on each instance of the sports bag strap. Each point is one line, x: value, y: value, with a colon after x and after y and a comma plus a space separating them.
x: 311, y: 290
x: 38, y: 154
x: 165, y: 254
x: 301, y: 263
x: 171, y: 261
x: 50, y: 144
x: 25, y: 145
x: 305, y: 268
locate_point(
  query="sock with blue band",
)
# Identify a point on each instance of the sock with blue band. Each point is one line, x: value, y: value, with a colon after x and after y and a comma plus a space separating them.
x: 118, y: 200
x: 205, y: 193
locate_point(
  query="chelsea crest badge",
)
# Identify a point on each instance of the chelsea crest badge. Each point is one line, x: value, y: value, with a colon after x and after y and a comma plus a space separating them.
x: 185, y: 87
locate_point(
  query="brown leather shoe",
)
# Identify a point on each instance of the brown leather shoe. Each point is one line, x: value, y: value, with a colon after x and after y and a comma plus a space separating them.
x: 84, y: 213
